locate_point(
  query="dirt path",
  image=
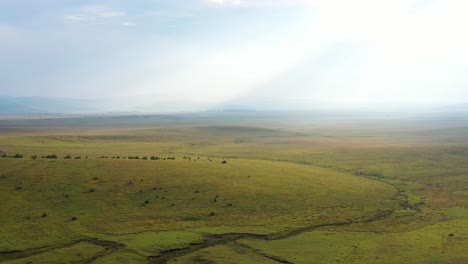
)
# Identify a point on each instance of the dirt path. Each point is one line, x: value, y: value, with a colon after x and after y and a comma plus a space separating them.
x: 109, y: 248
x: 232, y: 238
x: 210, y: 240
x: 247, y: 249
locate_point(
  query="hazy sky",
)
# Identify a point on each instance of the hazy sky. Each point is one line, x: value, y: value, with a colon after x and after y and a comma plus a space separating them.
x: 205, y: 53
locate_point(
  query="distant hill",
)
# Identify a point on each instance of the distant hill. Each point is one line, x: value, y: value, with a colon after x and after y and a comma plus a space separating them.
x: 10, y: 105
x: 39, y: 105
x: 455, y: 108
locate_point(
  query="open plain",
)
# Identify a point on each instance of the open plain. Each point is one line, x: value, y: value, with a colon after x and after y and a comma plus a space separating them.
x: 229, y: 187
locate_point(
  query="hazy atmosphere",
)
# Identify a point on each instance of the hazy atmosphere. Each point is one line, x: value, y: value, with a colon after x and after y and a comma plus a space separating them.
x: 249, y: 54
x: 234, y: 131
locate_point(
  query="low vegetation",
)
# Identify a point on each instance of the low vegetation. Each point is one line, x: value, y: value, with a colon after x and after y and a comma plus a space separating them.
x: 236, y: 194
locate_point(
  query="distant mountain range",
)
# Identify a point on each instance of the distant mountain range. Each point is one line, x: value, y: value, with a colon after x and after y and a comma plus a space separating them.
x: 455, y: 108
x: 10, y: 105
x: 43, y: 105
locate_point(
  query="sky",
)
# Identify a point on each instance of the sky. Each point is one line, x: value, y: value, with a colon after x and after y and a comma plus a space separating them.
x: 161, y: 55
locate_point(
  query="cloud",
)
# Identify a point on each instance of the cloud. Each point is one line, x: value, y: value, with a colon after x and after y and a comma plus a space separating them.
x: 208, y: 51
x: 76, y: 18
x: 95, y: 14
x: 409, y: 55
x: 254, y: 3
x: 9, y: 37
x: 128, y: 24
x: 402, y: 54
x: 7, y: 31
x: 224, y: 2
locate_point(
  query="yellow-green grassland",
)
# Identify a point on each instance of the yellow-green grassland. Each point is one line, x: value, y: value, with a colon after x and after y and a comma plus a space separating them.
x: 234, y: 188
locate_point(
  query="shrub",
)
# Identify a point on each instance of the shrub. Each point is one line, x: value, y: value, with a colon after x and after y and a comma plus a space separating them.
x: 44, y: 215
x: 212, y: 213
x: 18, y: 156
x: 145, y: 158
x: 146, y: 202
x: 224, y: 162
x: 133, y: 157
x: 67, y: 157
x: 18, y: 188
x: 53, y: 156
x: 91, y: 190
x: 74, y: 218
x: 229, y: 204
x: 4, y: 155
x: 34, y: 157
x: 78, y: 157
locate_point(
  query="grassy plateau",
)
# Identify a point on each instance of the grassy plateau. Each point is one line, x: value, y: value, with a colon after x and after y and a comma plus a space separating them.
x: 234, y: 188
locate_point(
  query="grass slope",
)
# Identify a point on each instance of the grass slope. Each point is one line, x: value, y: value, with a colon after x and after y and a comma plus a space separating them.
x: 323, y: 192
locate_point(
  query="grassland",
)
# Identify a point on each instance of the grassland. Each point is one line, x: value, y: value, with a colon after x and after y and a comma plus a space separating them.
x: 294, y: 189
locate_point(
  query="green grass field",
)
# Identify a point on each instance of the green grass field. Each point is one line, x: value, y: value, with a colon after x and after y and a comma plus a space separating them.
x: 293, y: 189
